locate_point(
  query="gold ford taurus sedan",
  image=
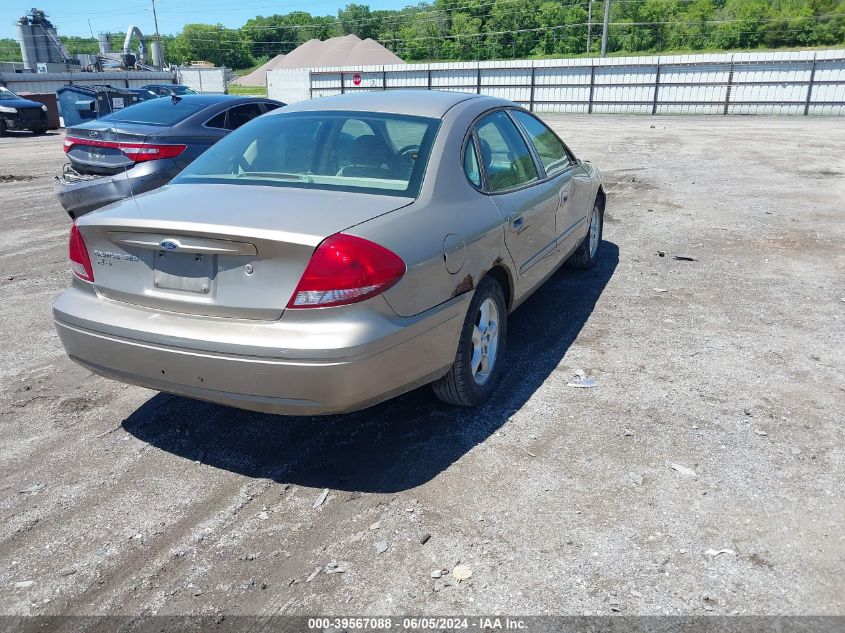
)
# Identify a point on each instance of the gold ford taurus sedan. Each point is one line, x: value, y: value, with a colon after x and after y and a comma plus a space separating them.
x: 333, y: 254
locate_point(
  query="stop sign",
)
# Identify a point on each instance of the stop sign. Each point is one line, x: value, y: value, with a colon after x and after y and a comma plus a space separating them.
x: 356, y: 79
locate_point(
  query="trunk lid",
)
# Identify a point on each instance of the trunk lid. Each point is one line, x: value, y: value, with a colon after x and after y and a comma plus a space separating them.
x: 218, y: 250
x: 94, y: 149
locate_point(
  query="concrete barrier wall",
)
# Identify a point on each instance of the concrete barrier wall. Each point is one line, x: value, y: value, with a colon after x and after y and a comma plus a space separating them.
x: 50, y: 82
x: 206, y: 80
x: 799, y: 83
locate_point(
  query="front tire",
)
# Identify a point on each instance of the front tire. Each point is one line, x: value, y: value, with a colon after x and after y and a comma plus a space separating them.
x: 478, y: 362
x: 587, y: 254
x: 3, y: 128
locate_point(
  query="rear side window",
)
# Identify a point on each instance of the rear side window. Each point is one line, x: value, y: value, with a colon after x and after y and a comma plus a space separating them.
x: 218, y: 121
x: 471, y: 164
x: 506, y: 158
x: 163, y: 112
x: 269, y: 107
x: 551, y: 151
x: 242, y: 114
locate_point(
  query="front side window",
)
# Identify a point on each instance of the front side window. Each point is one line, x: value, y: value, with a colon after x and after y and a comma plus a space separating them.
x: 346, y: 151
x: 506, y: 158
x: 551, y: 151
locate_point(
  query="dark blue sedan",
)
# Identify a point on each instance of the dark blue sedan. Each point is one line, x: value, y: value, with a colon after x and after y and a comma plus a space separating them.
x: 144, y: 146
x: 17, y: 113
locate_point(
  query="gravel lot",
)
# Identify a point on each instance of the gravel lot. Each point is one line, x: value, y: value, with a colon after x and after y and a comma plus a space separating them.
x: 115, y: 499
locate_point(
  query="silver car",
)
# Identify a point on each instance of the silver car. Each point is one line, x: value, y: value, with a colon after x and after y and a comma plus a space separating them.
x: 334, y: 254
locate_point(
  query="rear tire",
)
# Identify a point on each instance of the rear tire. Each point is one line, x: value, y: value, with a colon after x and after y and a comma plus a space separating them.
x: 3, y: 128
x: 40, y: 131
x: 587, y: 254
x: 478, y: 362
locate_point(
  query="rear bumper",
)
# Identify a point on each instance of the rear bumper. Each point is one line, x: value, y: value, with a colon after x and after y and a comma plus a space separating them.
x: 82, y: 195
x: 368, y: 355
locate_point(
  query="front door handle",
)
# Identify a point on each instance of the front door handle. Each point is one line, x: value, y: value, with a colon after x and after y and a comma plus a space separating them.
x: 518, y: 224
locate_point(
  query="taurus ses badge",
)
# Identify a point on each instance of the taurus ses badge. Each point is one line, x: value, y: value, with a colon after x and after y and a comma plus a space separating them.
x: 168, y: 245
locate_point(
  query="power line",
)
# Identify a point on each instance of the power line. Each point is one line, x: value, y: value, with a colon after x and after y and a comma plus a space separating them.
x: 548, y: 28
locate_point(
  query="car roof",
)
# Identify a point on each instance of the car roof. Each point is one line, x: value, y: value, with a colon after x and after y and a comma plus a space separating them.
x: 207, y: 100
x: 425, y: 103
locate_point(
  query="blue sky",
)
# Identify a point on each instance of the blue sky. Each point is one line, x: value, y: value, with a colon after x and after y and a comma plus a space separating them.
x: 71, y: 17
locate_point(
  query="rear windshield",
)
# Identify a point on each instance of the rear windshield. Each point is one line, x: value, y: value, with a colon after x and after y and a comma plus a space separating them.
x: 347, y: 151
x: 164, y: 112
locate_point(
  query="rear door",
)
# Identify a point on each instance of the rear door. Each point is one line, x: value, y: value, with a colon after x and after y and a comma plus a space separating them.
x: 514, y: 182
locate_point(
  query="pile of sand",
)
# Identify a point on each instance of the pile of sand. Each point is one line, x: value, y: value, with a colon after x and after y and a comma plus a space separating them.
x: 258, y: 77
x: 349, y: 50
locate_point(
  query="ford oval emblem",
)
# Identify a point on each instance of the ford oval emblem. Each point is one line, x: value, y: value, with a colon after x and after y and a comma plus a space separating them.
x: 168, y: 245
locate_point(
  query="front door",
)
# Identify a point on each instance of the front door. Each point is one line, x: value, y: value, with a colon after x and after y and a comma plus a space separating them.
x: 573, y: 178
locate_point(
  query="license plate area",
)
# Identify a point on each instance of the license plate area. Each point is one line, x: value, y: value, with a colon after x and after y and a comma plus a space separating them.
x: 95, y: 153
x: 186, y: 272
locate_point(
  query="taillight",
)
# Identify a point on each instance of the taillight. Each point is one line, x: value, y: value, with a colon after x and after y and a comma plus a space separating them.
x: 140, y: 152
x: 346, y: 269
x: 80, y: 263
x: 136, y: 152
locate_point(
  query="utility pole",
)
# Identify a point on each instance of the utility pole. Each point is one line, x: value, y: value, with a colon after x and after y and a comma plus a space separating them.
x: 158, y: 39
x: 589, y: 24
x: 604, y: 29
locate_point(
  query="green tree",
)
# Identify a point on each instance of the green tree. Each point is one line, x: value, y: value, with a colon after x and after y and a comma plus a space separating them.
x: 357, y: 19
x: 741, y: 26
x: 509, y: 23
x: 274, y: 34
x: 464, y: 34
x: 830, y: 25
x: 10, y: 50
x: 76, y: 45
x: 695, y: 32
x: 214, y: 43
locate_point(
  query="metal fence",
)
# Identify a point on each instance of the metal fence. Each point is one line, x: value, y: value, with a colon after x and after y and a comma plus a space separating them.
x: 801, y: 83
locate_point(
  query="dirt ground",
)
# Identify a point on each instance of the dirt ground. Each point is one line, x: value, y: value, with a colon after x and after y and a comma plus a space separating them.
x: 119, y: 500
